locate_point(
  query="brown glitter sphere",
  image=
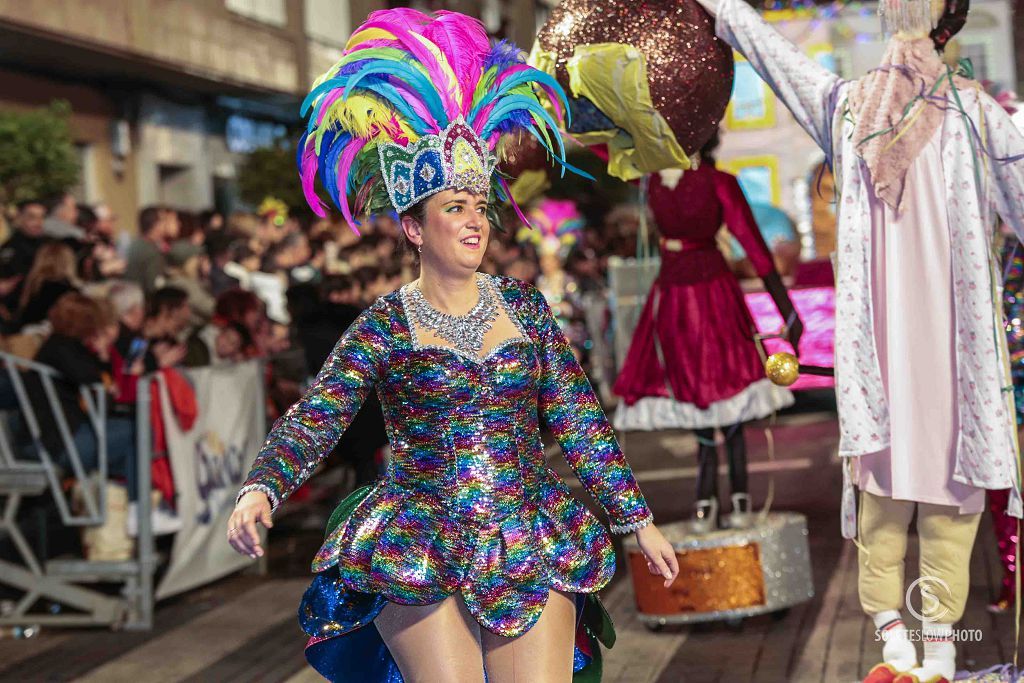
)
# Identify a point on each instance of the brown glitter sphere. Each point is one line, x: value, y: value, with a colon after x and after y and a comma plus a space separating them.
x: 689, y: 69
x: 522, y: 153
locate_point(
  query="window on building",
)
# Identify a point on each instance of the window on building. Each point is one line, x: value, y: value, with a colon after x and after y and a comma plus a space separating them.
x: 978, y: 53
x: 86, y: 190
x: 245, y: 135
x: 267, y: 11
x: 328, y: 21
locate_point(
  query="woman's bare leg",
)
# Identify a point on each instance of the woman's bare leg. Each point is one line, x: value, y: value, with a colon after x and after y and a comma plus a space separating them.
x: 437, y: 643
x: 543, y: 654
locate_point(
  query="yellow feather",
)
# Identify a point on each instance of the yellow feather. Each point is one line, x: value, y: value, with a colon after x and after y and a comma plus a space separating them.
x: 368, y: 34
x: 360, y: 115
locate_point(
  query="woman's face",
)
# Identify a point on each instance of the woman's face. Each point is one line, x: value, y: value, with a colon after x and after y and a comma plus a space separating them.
x: 455, y: 231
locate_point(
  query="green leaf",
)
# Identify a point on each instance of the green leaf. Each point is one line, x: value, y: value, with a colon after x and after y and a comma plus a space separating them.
x: 37, y: 153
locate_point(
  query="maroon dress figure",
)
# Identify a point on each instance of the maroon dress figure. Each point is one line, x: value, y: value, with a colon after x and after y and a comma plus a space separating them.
x: 693, y: 363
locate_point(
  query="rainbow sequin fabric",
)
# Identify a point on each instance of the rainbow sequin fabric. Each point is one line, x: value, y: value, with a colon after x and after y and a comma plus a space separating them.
x: 468, y: 503
x: 1013, y: 312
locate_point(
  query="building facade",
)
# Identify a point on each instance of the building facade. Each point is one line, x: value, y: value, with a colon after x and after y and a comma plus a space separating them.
x: 777, y: 163
x: 166, y: 95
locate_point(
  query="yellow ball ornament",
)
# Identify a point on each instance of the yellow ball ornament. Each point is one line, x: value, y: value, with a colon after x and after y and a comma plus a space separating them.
x: 782, y: 369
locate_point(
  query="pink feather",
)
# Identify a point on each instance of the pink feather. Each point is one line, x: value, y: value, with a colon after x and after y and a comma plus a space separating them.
x: 425, y: 57
x: 344, y: 166
x: 328, y: 101
x: 481, y: 118
x: 512, y: 201
x: 308, y: 168
x: 406, y: 17
x: 556, y: 102
x: 414, y: 101
x: 463, y: 41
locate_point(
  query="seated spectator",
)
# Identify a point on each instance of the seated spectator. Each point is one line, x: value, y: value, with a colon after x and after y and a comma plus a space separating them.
x: 98, y: 257
x: 130, y: 307
x: 79, y: 348
x: 133, y: 355
x: 145, y: 257
x: 53, y: 274
x: 18, y: 254
x: 244, y: 261
x: 184, y: 271
x: 219, y: 249
x: 230, y: 335
x: 62, y: 219
x: 190, y: 228
x: 166, y: 325
x: 211, y: 221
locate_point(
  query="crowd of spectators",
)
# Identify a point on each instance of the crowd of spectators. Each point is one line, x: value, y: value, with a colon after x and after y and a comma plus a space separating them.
x: 104, y: 302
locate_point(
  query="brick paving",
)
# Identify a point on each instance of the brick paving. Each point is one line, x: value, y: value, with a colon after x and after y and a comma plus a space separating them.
x: 243, y: 628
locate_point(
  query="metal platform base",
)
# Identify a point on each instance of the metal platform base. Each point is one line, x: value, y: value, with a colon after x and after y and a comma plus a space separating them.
x: 727, y: 575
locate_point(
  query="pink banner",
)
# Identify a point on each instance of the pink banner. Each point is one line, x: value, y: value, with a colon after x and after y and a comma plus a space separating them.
x: 817, y: 309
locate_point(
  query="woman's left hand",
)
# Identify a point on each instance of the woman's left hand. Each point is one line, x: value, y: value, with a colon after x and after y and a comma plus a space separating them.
x: 660, y: 555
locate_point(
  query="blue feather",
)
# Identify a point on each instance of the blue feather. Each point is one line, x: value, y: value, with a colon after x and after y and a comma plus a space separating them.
x: 514, y: 81
x: 503, y: 55
x: 512, y: 103
x: 329, y: 164
x: 300, y: 149
x: 416, y: 81
x: 390, y: 94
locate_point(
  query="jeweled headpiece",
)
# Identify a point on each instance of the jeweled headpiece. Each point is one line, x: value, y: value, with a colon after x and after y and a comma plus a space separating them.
x: 418, y: 104
x: 455, y: 158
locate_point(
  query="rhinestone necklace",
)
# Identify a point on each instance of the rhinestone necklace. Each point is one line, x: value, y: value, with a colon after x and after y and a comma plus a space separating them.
x: 465, y: 332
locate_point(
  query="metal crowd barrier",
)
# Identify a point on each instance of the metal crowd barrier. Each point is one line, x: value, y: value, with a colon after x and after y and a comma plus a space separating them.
x: 68, y: 582
x: 629, y: 283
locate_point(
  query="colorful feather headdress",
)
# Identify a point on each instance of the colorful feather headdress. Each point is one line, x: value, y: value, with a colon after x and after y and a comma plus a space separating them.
x: 558, y: 226
x: 418, y: 104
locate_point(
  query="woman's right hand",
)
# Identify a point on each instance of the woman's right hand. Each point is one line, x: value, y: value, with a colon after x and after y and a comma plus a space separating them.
x: 253, y: 508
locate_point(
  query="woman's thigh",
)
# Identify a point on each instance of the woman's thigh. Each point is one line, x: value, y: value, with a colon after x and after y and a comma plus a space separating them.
x: 544, y: 654
x: 437, y: 643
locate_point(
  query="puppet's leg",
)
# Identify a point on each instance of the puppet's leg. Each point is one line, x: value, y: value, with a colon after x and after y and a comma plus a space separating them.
x: 883, y: 547
x: 706, y: 509
x: 736, y: 447
x: 947, y: 538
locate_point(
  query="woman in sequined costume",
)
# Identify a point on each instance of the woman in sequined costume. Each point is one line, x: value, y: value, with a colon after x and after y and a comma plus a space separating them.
x: 470, y: 554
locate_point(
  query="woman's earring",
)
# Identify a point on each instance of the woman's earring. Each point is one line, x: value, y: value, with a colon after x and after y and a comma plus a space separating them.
x: 419, y: 248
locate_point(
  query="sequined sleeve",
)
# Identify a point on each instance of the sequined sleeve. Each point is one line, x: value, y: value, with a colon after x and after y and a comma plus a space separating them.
x: 571, y: 410
x: 310, y: 429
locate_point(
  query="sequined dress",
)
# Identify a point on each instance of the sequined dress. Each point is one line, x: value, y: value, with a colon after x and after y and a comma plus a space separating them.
x: 468, y: 504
